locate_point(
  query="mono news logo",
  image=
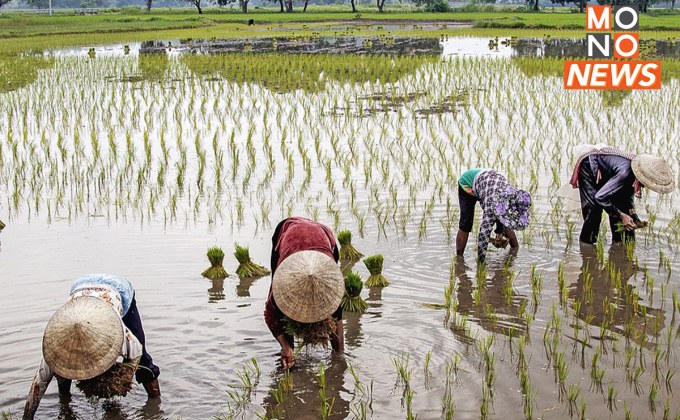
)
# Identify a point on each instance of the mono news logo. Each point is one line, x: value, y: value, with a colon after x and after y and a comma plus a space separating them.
x: 612, y: 47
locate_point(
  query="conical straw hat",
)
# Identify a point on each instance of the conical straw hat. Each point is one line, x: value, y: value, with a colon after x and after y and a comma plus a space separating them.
x: 308, y: 286
x: 83, y: 338
x: 654, y: 173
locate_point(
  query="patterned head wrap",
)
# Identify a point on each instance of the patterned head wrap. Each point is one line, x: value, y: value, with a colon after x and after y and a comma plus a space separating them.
x: 512, y: 208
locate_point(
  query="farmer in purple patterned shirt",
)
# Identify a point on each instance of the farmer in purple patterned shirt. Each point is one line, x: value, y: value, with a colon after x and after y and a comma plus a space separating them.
x: 504, y: 206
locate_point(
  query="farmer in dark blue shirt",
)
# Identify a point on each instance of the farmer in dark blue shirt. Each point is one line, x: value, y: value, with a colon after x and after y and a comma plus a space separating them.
x: 608, y: 179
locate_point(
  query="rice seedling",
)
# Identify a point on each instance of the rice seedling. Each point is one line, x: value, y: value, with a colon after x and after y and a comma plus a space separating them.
x: 310, y: 334
x: 573, y: 394
x: 216, y: 270
x: 374, y: 264
x: 352, y: 300
x: 347, y: 250
x: 247, y: 268
x: 326, y: 402
x: 115, y: 382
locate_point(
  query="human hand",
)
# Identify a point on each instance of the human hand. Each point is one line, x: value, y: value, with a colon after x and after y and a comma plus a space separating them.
x: 628, y: 222
x: 287, y: 357
x: 500, y: 241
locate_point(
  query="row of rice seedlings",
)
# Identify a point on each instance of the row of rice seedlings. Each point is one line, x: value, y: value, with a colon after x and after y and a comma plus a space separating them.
x: 409, y: 165
x: 250, y: 148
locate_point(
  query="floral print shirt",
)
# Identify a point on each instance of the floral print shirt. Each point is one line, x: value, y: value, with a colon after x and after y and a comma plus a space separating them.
x: 488, y: 185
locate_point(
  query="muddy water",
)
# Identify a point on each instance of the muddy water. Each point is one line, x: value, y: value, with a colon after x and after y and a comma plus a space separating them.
x: 201, y: 333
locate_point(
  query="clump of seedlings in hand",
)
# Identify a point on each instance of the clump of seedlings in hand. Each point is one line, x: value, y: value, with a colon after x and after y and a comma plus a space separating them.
x: 115, y: 382
x: 352, y: 300
x: 347, y: 250
x: 247, y: 268
x: 216, y: 271
x: 374, y: 264
x: 311, y: 334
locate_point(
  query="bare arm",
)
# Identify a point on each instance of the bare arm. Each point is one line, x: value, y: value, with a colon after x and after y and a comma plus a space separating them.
x: 510, y: 234
x: 287, y: 355
x: 338, y: 340
x: 41, y: 380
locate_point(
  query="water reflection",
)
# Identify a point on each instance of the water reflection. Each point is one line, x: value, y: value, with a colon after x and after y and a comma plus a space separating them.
x: 216, y: 291
x: 352, y: 328
x: 295, y: 395
x: 571, y: 47
x: 304, y: 45
x: 602, y: 296
x: 152, y: 66
x: 495, y: 306
x: 243, y: 286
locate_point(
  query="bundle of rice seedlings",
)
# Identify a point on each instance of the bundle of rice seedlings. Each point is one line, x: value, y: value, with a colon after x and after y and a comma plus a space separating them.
x: 374, y: 264
x: 640, y: 224
x: 347, y: 250
x: 352, y: 300
x: 216, y: 271
x: 312, y: 334
x: 115, y: 382
x: 246, y: 267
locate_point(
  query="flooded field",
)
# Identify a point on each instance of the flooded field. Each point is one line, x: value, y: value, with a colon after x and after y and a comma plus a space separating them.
x: 136, y: 164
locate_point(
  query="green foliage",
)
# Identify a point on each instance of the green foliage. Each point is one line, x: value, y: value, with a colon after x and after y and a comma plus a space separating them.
x: 345, y: 237
x: 374, y: 264
x: 242, y: 254
x: 216, y: 271
x: 285, y: 73
x: 353, y: 284
x: 352, y: 300
x: 18, y: 71
x: 347, y: 250
x: 435, y: 6
x: 247, y: 268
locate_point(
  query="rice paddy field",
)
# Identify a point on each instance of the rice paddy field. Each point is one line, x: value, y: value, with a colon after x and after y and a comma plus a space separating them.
x: 134, y: 159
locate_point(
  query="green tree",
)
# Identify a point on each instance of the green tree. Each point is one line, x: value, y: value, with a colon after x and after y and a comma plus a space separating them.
x: 197, y: 4
x: 4, y: 2
x: 580, y: 3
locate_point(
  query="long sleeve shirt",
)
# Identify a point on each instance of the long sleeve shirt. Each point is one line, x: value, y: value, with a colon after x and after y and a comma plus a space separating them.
x: 486, y: 186
x: 131, y: 349
x: 293, y: 235
x: 615, y: 181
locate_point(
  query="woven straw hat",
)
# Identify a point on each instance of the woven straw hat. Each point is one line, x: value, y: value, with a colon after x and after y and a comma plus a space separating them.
x: 83, y: 338
x: 654, y: 173
x: 308, y: 286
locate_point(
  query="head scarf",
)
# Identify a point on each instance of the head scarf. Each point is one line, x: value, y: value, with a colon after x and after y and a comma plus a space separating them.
x: 512, y: 208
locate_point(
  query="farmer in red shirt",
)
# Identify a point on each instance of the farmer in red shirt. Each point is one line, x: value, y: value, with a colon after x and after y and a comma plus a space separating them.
x: 307, y: 284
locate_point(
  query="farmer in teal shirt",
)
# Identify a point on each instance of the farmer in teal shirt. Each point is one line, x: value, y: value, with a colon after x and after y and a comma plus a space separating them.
x: 504, y: 205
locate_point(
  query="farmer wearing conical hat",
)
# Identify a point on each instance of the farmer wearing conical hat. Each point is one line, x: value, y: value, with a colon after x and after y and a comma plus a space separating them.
x: 504, y: 206
x: 608, y: 179
x: 307, y: 284
x: 86, y: 336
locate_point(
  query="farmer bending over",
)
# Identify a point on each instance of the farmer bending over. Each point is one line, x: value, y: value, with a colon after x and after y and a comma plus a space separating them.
x: 87, y: 335
x: 503, y: 205
x: 307, y: 284
x: 608, y: 179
